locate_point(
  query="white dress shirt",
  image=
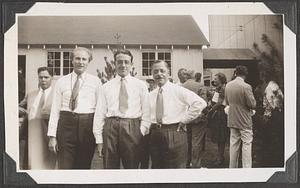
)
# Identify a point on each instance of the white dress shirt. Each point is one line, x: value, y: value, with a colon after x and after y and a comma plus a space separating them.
x: 86, y: 100
x: 108, y: 104
x: 34, y: 108
x: 180, y: 104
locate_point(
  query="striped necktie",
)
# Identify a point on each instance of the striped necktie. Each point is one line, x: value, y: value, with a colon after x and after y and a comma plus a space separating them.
x: 75, y: 91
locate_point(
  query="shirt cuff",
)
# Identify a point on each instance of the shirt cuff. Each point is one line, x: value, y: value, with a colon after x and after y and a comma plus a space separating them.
x: 185, y: 120
x: 51, y: 132
x: 144, y: 130
x: 98, y: 138
x: 146, y: 124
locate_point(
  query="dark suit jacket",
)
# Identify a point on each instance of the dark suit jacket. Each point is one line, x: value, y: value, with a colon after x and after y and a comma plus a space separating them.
x: 239, y: 97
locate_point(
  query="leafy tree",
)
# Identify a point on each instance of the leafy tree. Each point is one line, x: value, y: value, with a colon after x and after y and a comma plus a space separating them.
x: 110, y: 66
x: 271, y: 65
x: 110, y: 71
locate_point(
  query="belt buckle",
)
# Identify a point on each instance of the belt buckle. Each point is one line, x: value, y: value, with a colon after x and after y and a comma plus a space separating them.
x: 159, y: 125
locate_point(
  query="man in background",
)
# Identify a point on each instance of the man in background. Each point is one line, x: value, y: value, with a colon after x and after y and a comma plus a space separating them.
x: 196, y: 130
x: 241, y: 101
x: 182, y: 72
x: 198, y: 76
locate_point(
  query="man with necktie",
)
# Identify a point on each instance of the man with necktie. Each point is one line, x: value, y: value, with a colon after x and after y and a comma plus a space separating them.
x: 71, y: 118
x: 122, y: 116
x: 173, y: 107
x: 37, y: 106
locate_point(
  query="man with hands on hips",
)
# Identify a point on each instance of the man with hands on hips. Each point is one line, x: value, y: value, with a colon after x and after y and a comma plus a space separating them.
x: 172, y: 108
x: 122, y: 116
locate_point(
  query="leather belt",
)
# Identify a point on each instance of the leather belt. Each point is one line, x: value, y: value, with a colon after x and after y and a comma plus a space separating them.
x: 162, y: 126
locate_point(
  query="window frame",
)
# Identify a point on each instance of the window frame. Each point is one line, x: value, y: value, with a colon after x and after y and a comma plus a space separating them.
x: 156, y: 58
x: 61, y: 68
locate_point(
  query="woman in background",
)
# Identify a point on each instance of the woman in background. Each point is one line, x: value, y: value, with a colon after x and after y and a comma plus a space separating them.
x: 217, y: 117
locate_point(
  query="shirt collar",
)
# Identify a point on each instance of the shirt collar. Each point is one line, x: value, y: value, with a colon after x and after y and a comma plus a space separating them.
x: 165, y: 87
x: 46, y: 90
x: 239, y: 78
x: 128, y: 77
x: 83, y: 75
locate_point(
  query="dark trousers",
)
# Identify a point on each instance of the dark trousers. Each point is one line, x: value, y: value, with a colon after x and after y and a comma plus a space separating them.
x: 145, y: 155
x: 122, y: 140
x: 168, y: 147
x: 76, y: 142
x: 196, y: 143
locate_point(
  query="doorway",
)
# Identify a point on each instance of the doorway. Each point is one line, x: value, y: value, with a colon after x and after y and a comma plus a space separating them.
x: 21, y: 76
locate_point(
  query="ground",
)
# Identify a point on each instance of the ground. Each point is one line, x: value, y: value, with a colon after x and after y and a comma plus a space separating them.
x: 209, y: 157
x: 208, y: 161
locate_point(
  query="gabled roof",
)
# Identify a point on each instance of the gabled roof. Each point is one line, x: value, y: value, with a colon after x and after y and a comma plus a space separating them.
x: 228, y: 54
x: 137, y: 30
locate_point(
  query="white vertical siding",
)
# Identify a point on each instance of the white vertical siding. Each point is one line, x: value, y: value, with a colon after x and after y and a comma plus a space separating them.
x: 191, y: 59
x: 225, y: 31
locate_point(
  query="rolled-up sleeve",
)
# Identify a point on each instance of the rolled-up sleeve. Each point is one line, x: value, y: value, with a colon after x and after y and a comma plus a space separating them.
x: 99, y: 117
x: 145, y: 107
x: 195, y: 105
x: 55, y: 109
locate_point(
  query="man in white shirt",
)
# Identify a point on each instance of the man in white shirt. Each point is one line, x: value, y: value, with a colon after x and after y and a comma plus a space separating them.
x: 71, y: 118
x: 122, y: 116
x: 172, y: 108
x: 37, y: 106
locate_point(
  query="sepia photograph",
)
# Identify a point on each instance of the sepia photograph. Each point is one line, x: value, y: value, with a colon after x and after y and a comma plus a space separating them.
x: 137, y: 93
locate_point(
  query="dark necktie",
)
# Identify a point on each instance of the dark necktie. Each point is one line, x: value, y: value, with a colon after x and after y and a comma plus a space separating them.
x: 123, y: 97
x: 75, y: 91
x: 159, y: 106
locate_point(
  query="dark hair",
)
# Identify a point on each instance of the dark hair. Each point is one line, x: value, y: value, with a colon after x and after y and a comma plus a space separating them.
x: 241, y: 70
x: 198, y: 76
x: 121, y: 51
x: 222, y: 78
x: 83, y: 49
x: 40, y: 69
x: 160, y: 61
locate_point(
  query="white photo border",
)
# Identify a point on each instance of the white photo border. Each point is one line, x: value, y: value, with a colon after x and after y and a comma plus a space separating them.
x: 145, y: 176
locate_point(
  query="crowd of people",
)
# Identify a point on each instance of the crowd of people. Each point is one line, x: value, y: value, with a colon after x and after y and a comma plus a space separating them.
x: 131, y: 124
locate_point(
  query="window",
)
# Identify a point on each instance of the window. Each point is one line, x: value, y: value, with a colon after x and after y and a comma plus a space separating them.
x: 149, y: 57
x: 60, y: 62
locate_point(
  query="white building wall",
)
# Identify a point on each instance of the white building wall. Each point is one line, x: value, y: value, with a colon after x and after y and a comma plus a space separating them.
x: 191, y: 59
x: 243, y: 31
